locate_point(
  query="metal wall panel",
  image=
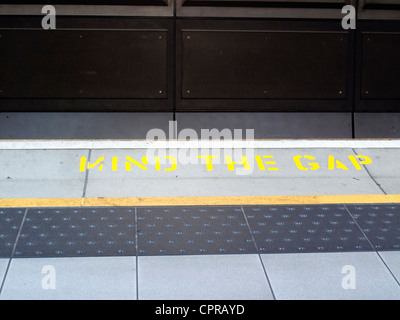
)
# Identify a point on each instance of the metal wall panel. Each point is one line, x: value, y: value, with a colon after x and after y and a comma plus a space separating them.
x: 379, y: 9
x: 263, y: 65
x: 119, y: 8
x: 267, y: 4
x: 377, y: 125
x: 281, y: 65
x: 274, y: 125
x: 86, y: 64
x: 380, y: 66
x: 81, y: 125
x: 306, y: 9
x: 103, y: 64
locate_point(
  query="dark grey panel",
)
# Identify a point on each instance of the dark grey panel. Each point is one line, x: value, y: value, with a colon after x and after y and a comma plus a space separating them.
x: 83, y: 64
x: 66, y: 232
x: 306, y: 9
x: 264, y: 65
x: 10, y: 223
x: 84, y: 125
x: 296, y: 229
x: 143, y: 8
x: 377, y: 125
x: 273, y: 125
x: 193, y: 230
x: 380, y: 4
x: 380, y: 223
x: 380, y: 66
x: 379, y: 9
x: 267, y: 4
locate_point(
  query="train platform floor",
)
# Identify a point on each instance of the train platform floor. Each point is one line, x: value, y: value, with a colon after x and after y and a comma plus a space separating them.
x: 208, y: 220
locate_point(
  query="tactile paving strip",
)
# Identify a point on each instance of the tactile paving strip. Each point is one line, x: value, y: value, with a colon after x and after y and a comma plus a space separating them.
x: 193, y: 230
x: 380, y: 223
x: 77, y: 232
x: 10, y: 223
x: 297, y: 229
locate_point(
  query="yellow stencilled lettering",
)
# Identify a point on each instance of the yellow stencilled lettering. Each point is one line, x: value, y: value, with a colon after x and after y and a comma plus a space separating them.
x: 264, y: 162
x: 129, y: 161
x: 83, y: 165
x: 313, y: 165
x: 357, y: 163
x: 174, y: 163
x: 208, y: 161
x: 367, y: 160
x: 334, y: 163
x: 261, y: 166
x: 158, y: 164
x: 114, y: 164
x: 231, y: 164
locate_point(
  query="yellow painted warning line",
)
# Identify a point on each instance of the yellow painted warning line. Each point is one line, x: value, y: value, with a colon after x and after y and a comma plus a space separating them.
x: 198, y: 201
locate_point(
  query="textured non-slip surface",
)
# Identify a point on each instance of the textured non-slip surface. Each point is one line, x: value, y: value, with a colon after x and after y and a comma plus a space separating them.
x: 380, y: 223
x: 198, y: 230
x: 10, y: 222
x: 77, y: 232
x: 193, y: 230
x: 296, y: 229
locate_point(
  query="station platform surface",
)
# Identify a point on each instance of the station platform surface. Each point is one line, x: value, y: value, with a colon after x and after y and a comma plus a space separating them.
x: 260, y: 220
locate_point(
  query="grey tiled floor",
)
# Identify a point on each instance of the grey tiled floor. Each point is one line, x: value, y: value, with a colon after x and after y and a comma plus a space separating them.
x: 231, y: 277
x: 74, y: 278
x: 321, y: 275
x: 192, y: 274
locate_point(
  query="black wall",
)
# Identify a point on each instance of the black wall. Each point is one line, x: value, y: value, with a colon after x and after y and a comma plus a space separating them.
x: 177, y: 64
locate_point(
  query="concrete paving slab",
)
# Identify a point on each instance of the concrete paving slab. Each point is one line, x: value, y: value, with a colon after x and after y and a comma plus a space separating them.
x: 392, y: 260
x: 208, y: 277
x: 41, y: 173
x: 227, y: 187
x: 384, y: 168
x: 337, y: 276
x: 71, y: 278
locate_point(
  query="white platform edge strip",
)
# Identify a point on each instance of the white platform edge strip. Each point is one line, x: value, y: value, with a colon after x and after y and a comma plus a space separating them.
x: 195, y: 144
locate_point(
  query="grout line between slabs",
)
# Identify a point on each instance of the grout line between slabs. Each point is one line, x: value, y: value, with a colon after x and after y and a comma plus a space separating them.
x: 13, y: 250
x: 258, y: 253
x: 137, y: 255
x: 86, y: 175
x: 376, y: 251
x: 384, y: 262
x: 359, y: 227
x: 370, y: 175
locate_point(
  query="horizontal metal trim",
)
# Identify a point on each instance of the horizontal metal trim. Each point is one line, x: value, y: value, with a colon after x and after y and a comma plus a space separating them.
x: 215, y: 12
x: 266, y: 4
x: 89, y: 10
